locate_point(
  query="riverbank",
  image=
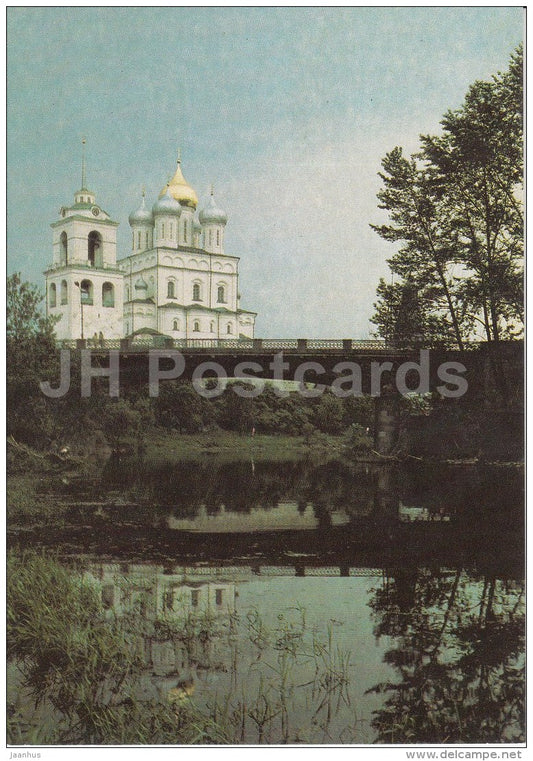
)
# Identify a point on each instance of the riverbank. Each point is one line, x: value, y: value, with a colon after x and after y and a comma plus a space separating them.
x: 35, y: 478
x: 159, y: 444
x: 41, y: 485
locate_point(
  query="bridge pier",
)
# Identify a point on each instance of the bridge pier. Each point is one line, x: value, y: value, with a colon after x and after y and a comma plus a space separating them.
x: 386, y: 422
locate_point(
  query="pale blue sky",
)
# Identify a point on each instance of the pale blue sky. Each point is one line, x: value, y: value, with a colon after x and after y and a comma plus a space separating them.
x: 288, y: 111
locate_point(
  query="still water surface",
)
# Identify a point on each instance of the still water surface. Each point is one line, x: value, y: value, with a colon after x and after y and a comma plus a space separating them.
x: 331, y: 603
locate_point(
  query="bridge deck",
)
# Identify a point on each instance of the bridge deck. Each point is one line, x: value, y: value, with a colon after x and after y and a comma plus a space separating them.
x: 314, y: 345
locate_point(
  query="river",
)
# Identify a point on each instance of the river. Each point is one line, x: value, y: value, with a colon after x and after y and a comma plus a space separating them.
x: 296, y: 602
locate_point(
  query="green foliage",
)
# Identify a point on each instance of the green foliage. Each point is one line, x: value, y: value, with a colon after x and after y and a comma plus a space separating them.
x: 118, y: 420
x: 234, y: 412
x: 358, y: 441
x: 31, y: 358
x: 83, y: 665
x: 179, y: 406
x: 328, y: 414
x: 54, y: 634
x: 456, y: 210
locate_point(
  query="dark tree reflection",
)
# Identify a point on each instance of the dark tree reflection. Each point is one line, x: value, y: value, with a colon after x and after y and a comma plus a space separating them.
x: 459, y: 656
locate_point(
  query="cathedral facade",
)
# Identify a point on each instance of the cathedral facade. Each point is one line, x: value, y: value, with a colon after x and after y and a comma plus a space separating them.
x: 177, y: 281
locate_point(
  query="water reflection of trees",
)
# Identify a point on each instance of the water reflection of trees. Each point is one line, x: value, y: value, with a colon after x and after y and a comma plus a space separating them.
x: 468, y: 495
x: 184, y: 488
x: 458, y: 653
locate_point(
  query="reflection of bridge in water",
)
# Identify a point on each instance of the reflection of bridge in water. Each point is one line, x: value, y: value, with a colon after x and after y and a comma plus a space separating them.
x: 206, y: 573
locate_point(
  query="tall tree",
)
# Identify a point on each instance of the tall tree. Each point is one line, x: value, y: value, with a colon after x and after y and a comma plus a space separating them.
x: 456, y: 208
x: 31, y: 358
x: 428, y: 248
x: 478, y: 164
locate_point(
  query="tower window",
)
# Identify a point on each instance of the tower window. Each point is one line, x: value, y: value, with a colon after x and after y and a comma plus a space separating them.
x: 64, y: 292
x: 175, y: 325
x: 162, y: 229
x: 108, y: 295
x: 229, y: 329
x: 221, y: 297
x: 195, y: 596
x: 86, y: 292
x: 94, y: 245
x: 52, y: 297
x: 196, y: 292
x: 218, y: 596
x: 138, y: 240
x: 218, y: 237
x: 185, y: 230
x: 63, y: 249
x: 196, y: 326
x: 171, y: 290
x: 146, y: 239
x: 210, y: 237
x: 212, y: 326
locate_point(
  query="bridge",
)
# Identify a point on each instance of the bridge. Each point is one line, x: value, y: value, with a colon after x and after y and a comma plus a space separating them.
x: 333, y: 345
x: 380, y: 369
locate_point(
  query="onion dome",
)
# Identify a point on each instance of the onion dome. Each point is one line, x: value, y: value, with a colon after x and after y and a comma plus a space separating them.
x: 142, y: 216
x: 166, y: 204
x: 141, y: 285
x: 212, y: 213
x: 180, y: 190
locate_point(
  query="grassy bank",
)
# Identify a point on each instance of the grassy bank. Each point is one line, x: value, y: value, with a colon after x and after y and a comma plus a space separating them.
x: 36, y: 480
x: 159, y: 444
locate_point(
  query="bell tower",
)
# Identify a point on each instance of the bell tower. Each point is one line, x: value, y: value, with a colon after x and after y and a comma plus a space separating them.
x: 83, y: 283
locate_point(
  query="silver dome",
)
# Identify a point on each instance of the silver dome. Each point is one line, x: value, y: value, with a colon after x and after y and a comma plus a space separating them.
x: 166, y: 205
x: 142, y: 216
x: 212, y: 213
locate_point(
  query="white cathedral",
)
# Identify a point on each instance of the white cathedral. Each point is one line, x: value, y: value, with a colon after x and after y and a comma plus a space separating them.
x: 177, y: 281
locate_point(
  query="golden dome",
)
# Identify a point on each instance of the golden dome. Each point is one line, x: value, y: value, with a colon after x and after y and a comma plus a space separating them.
x: 180, y: 190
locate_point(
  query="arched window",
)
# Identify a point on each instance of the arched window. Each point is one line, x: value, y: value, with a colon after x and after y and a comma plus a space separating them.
x: 127, y: 328
x: 64, y: 292
x: 171, y: 290
x: 218, y: 237
x: 196, y: 292
x: 63, y: 249
x: 229, y: 328
x: 95, y: 249
x: 221, y: 297
x: 196, y: 326
x: 175, y: 325
x: 146, y: 237
x: 212, y: 326
x: 52, y: 299
x: 138, y: 240
x: 162, y: 229
x: 210, y: 237
x: 185, y: 230
x: 108, y: 295
x: 86, y: 290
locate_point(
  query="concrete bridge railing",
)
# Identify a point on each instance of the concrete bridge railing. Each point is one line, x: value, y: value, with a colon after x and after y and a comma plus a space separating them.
x: 241, y: 345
